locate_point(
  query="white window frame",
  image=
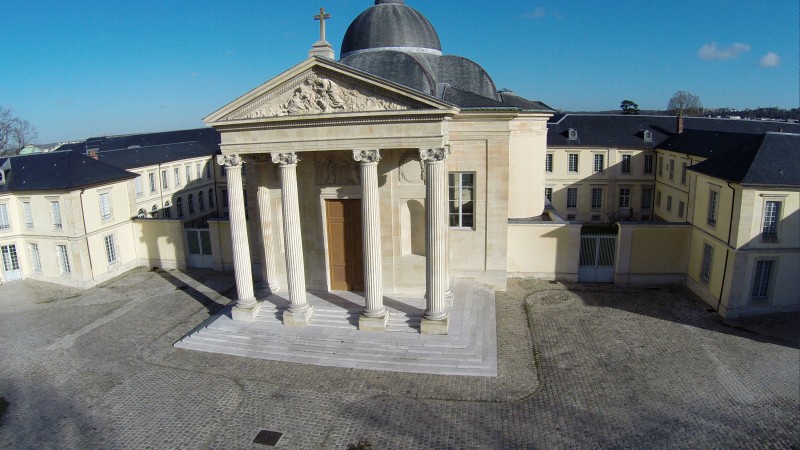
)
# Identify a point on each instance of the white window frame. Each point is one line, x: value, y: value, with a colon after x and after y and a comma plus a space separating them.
x: 456, y: 201
x: 55, y: 215
x: 5, y: 218
x: 626, y: 161
x: 648, y: 164
x: 572, y: 163
x: 164, y: 179
x: 62, y: 255
x: 596, y: 189
x: 684, y: 170
x: 112, y: 251
x: 151, y: 178
x: 188, y: 170
x: 572, y: 195
x: 599, y: 162
x: 770, y: 224
x: 199, y: 171
x: 672, y: 168
x: 548, y: 163
x: 138, y: 186
x: 36, y: 259
x: 761, y: 285
x: 548, y: 194
x: 713, y: 206
x: 104, y: 199
x: 176, y: 173
x: 624, y: 197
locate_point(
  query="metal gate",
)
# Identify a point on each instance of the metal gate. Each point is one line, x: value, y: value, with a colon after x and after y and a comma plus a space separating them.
x: 199, y: 244
x: 598, y: 252
x: 11, y: 262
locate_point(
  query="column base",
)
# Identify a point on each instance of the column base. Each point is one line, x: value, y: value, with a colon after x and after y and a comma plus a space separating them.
x: 298, y: 318
x: 373, y: 323
x: 273, y: 288
x: 240, y: 314
x: 428, y: 326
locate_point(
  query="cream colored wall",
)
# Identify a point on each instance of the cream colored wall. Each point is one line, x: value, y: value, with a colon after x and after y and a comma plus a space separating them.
x: 751, y: 216
x: 611, y: 179
x: 544, y: 250
x: 652, y: 253
x: 159, y: 243
x: 674, y: 187
x: 527, y: 148
x: 160, y: 196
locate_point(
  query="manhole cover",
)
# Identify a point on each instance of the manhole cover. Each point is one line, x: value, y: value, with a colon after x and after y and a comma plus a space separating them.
x: 266, y: 437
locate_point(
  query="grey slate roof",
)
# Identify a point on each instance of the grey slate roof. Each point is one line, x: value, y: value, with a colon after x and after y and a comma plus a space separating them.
x: 60, y: 170
x: 207, y: 137
x: 390, y: 24
x: 771, y: 159
x: 599, y: 130
x: 708, y: 144
x: 130, y: 158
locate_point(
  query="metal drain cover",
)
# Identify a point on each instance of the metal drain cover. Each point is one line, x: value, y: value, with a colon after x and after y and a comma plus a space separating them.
x: 266, y: 437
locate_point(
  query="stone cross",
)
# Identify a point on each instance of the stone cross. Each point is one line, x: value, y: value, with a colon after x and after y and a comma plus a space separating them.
x: 321, y: 17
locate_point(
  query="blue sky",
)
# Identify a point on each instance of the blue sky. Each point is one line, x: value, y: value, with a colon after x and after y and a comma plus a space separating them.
x: 82, y: 68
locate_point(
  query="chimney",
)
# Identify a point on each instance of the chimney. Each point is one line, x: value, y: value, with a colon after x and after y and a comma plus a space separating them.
x: 680, y: 124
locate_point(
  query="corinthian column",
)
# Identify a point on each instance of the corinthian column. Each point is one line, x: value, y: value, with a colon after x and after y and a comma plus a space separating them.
x: 269, y: 272
x: 374, y: 317
x: 247, y: 306
x: 435, y: 318
x: 299, y: 312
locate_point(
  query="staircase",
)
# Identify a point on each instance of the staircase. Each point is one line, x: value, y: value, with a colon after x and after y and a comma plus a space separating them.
x: 333, y: 339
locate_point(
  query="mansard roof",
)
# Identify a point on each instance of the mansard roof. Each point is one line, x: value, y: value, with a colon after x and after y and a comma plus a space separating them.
x: 60, y: 170
x: 131, y: 158
x: 606, y: 130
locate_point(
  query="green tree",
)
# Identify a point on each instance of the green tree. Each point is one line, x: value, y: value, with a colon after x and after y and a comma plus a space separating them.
x: 629, y: 108
x: 684, y: 103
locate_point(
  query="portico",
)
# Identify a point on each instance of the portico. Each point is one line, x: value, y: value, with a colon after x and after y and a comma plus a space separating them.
x: 320, y: 133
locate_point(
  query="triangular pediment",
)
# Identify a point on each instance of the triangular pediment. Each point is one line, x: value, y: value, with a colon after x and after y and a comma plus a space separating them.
x: 319, y: 87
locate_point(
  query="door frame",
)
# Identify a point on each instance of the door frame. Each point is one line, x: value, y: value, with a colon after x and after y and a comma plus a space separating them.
x: 332, y: 193
x: 18, y: 271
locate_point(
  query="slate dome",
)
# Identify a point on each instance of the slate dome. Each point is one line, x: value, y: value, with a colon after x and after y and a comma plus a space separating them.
x: 390, y: 25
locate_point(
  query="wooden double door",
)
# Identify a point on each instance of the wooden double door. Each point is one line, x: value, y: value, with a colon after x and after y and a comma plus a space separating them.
x: 345, y: 254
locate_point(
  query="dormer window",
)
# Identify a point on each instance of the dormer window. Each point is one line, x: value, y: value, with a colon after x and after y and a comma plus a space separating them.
x: 648, y: 136
x: 573, y: 134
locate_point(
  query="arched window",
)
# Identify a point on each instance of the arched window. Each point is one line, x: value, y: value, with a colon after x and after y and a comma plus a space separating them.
x: 154, y: 211
x: 211, y: 198
x: 141, y: 214
x: 179, y: 205
x: 200, y: 201
x: 167, y: 210
x: 191, y: 204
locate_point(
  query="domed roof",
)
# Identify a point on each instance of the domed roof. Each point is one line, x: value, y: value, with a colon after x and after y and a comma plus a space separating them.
x: 391, y: 25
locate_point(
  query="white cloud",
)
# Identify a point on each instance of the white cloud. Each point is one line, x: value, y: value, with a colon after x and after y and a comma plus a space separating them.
x: 537, y: 13
x: 771, y: 59
x: 712, y: 51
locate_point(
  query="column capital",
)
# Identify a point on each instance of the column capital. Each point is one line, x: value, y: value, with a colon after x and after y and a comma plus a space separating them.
x: 229, y: 160
x: 285, y: 159
x: 432, y: 155
x: 367, y: 156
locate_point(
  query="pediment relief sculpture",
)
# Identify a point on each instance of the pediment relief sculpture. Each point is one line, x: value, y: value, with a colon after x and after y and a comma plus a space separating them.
x: 318, y: 95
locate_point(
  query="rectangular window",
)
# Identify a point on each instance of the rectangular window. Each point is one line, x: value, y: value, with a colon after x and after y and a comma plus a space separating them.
x: 548, y: 194
x: 36, y: 260
x: 208, y: 171
x: 188, y: 170
x: 681, y: 209
x: 684, y: 168
x: 5, y: 222
x: 176, y: 173
x: 626, y: 163
x: 658, y: 198
x: 548, y: 163
x: 761, y: 280
x: 772, y: 214
x: 138, y: 186
x: 111, y: 248
x: 595, y: 217
x: 599, y: 163
x: 573, y: 162
x: 660, y: 166
x: 461, y: 189
x: 669, y: 203
x: 572, y: 197
x: 671, y: 169
x: 55, y: 209
x: 648, y: 163
x: 647, y: 197
x: 708, y: 260
x: 164, y: 180
x: 152, y: 178
x: 63, y: 260
x: 713, y: 199
x: 28, y: 214
x: 105, y: 206
x: 199, y: 170
x: 597, y: 198
x: 624, y: 197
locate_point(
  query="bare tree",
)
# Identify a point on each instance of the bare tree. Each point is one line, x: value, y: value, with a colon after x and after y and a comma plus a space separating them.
x: 15, y: 133
x: 684, y: 103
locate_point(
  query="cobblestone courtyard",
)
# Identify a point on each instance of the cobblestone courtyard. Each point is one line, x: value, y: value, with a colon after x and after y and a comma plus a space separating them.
x: 579, y: 366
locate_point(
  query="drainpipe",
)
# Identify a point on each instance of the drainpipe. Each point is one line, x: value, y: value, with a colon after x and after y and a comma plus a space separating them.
x: 727, y: 249
x: 86, y: 232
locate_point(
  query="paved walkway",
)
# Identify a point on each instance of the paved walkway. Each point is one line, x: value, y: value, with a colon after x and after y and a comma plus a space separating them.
x: 578, y: 366
x: 332, y: 338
